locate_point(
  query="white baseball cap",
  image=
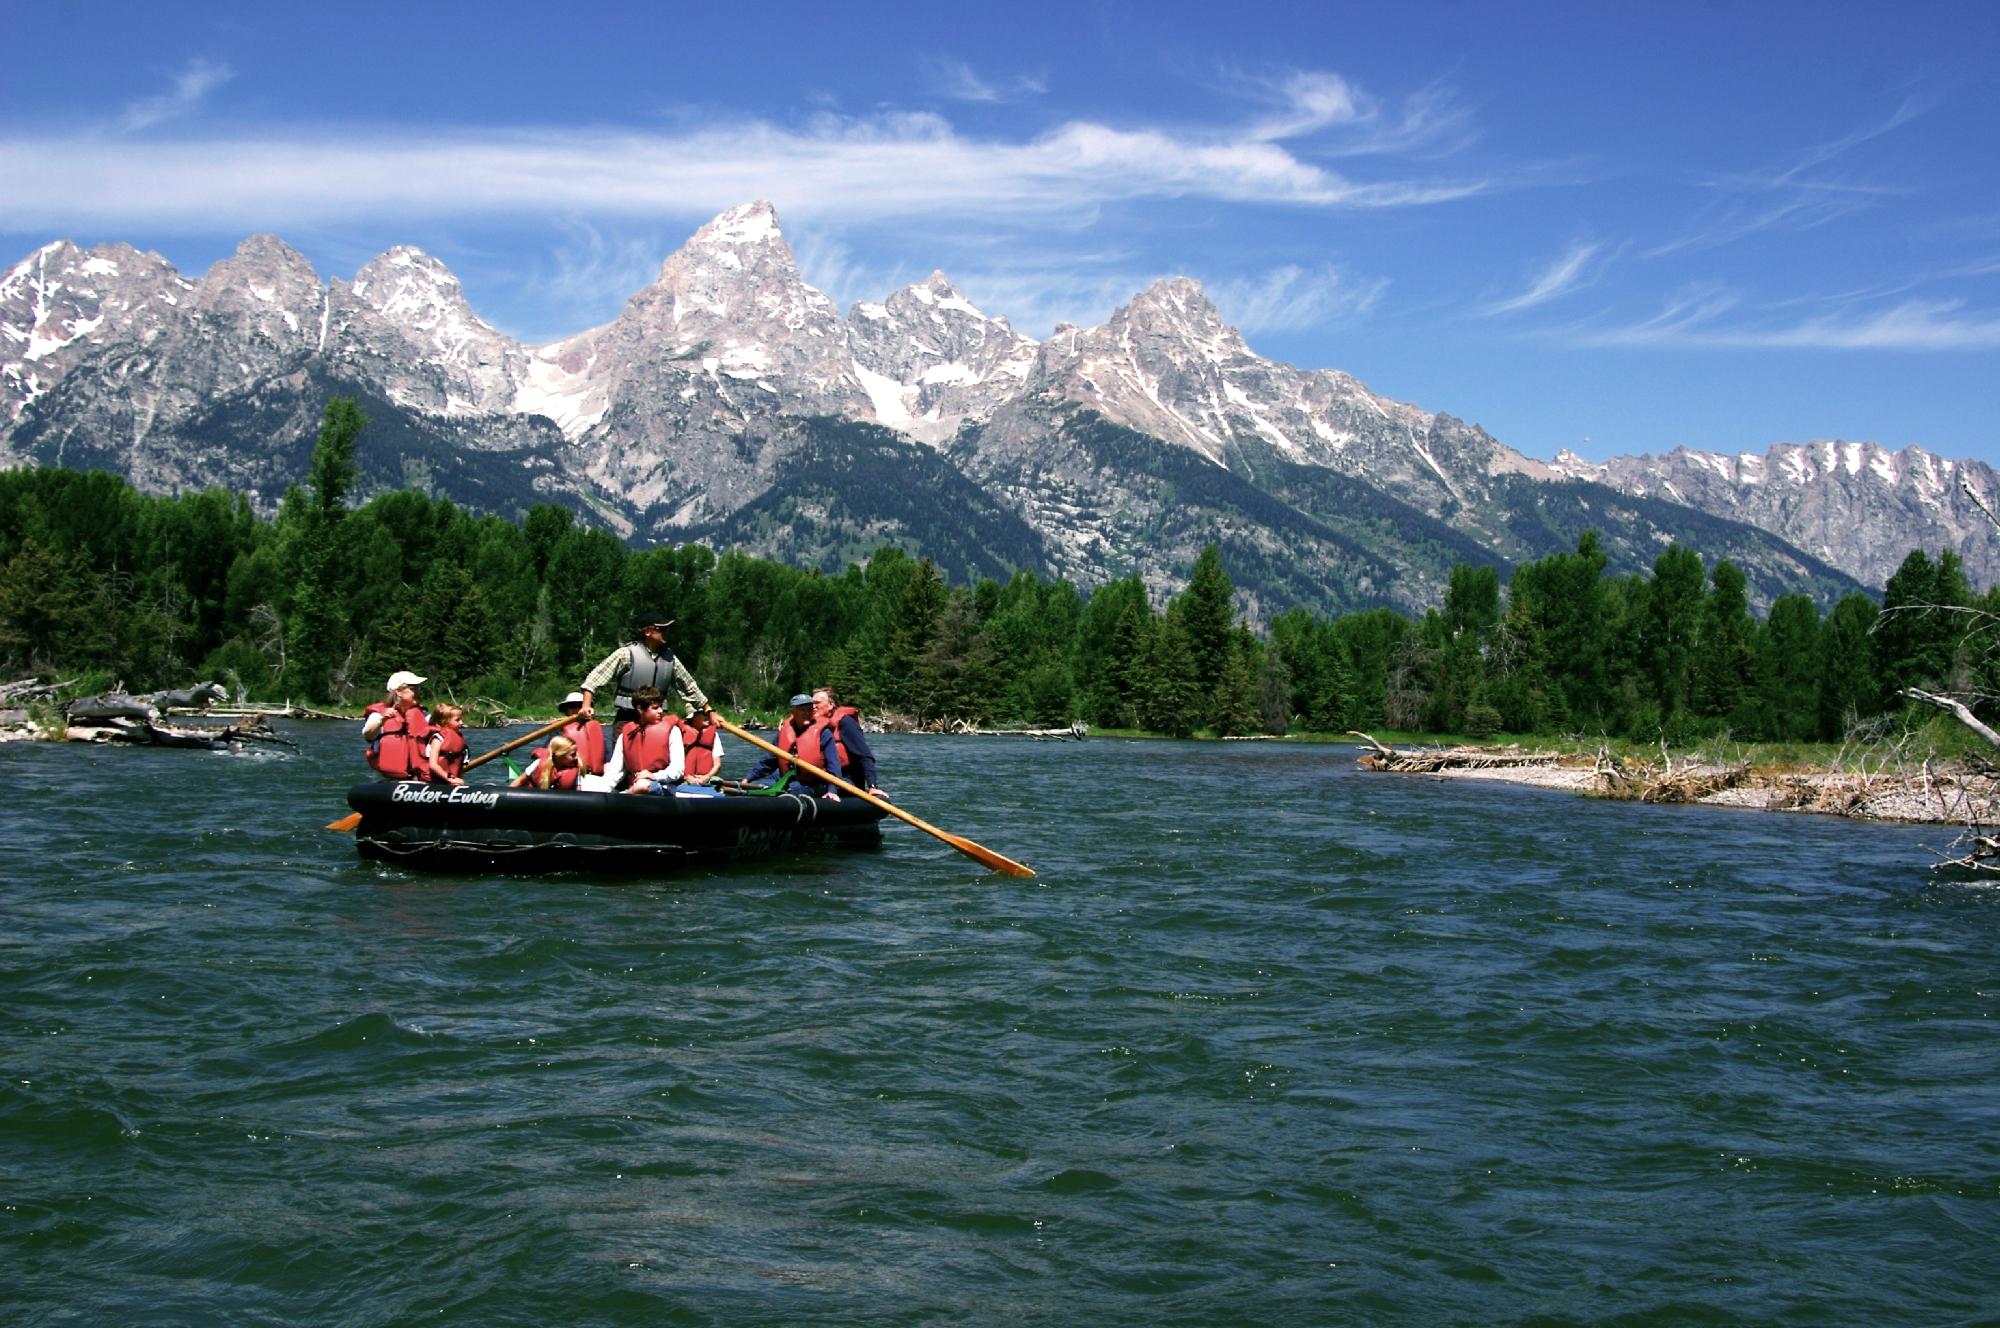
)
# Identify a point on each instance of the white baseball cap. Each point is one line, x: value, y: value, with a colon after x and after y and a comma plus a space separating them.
x: 403, y: 678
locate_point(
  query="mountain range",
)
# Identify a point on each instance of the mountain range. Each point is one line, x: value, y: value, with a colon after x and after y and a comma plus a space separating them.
x: 732, y: 403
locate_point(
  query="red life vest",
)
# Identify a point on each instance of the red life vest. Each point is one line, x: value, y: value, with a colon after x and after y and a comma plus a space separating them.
x: 646, y: 747
x: 807, y: 745
x: 371, y: 749
x: 699, y: 748
x: 451, y: 753
x: 399, y: 750
x: 560, y: 776
x: 588, y: 735
x: 833, y: 725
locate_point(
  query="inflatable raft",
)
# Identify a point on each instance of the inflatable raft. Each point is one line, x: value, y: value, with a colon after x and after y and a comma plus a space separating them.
x: 484, y: 828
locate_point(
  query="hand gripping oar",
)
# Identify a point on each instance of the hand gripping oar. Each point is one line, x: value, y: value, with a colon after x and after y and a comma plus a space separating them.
x: 350, y: 821
x: 984, y: 856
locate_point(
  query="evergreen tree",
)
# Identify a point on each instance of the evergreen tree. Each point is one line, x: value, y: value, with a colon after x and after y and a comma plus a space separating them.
x: 1850, y: 689
x: 913, y: 634
x: 1671, y: 629
x: 1235, y: 706
x: 1921, y: 626
x: 1789, y: 669
x: 1725, y: 662
x: 1168, y: 694
x: 1207, y: 613
x: 319, y: 645
x: 52, y: 609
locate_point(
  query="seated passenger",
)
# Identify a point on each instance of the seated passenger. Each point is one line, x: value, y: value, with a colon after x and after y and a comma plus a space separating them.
x: 703, y: 746
x: 587, y: 734
x: 857, y: 758
x: 650, y: 752
x: 809, y: 738
x: 394, y: 732
x: 444, y: 751
x: 555, y: 766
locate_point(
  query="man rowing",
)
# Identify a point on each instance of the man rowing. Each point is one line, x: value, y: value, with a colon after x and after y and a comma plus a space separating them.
x: 645, y: 662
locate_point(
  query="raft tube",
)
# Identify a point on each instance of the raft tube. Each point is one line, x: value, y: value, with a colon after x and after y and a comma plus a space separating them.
x: 440, y: 828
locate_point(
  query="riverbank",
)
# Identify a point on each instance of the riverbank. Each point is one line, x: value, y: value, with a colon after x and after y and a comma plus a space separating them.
x: 1936, y: 792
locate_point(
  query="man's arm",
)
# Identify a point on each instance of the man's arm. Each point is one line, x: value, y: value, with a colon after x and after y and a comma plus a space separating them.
x: 690, y: 690
x: 605, y: 675
x: 857, y: 747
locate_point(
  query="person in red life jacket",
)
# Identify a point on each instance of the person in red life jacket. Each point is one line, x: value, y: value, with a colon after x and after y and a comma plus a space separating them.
x: 444, y: 752
x: 555, y: 767
x: 801, y: 734
x: 701, y: 740
x: 395, y: 730
x: 650, y: 751
x: 587, y: 734
x: 857, y: 759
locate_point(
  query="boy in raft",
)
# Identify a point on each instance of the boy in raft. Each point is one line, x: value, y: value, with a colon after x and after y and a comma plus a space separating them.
x: 554, y: 767
x: 808, y: 737
x: 444, y: 753
x: 394, y: 730
x: 650, y: 751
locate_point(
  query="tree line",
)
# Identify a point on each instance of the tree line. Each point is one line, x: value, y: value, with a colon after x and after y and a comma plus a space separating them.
x: 327, y: 599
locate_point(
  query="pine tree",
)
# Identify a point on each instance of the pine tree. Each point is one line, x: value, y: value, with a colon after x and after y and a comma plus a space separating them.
x: 1207, y: 614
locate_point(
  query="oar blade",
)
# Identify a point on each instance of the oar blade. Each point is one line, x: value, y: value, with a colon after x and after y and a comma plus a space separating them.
x: 986, y: 857
x: 345, y: 823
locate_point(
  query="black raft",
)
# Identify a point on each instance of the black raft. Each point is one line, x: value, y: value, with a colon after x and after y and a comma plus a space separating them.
x: 469, y: 829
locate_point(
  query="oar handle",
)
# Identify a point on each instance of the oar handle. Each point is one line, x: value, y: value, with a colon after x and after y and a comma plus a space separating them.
x: 975, y: 851
x: 525, y: 738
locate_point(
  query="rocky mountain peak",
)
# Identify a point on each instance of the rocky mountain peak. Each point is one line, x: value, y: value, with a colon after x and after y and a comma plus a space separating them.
x: 751, y: 225
x: 61, y: 302
x: 404, y: 322
x: 1178, y: 308
x: 267, y: 291
x: 409, y: 287
x: 930, y: 358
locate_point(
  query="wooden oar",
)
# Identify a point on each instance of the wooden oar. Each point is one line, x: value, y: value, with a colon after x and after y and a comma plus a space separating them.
x: 984, y: 856
x: 350, y: 821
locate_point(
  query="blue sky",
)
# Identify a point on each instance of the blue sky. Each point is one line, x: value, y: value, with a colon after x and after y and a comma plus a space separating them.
x: 1608, y: 227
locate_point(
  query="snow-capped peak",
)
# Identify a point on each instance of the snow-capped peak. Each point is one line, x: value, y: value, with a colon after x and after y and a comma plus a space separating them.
x: 748, y: 224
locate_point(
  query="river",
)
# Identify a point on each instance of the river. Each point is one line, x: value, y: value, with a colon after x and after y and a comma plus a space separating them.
x: 1267, y: 1041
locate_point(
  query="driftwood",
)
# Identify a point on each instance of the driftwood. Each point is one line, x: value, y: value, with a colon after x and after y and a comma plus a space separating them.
x: 31, y: 689
x: 145, y: 733
x: 1429, y: 760
x: 1076, y: 731
x: 146, y: 707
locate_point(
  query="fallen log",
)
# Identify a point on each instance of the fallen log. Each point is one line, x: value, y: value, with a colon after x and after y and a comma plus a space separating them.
x: 1430, y: 760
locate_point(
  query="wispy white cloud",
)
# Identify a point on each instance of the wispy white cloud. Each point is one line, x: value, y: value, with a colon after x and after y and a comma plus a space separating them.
x: 1790, y: 196
x: 191, y: 87
x: 1346, y: 121
x: 835, y: 168
x: 1294, y: 299
x: 1716, y: 320
x: 958, y: 81
x: 590, y: 270
x: 1567, y: 273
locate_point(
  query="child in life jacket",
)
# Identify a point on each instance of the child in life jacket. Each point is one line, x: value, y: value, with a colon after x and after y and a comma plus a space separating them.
x: 444, y: 754
x: 554, y: 767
